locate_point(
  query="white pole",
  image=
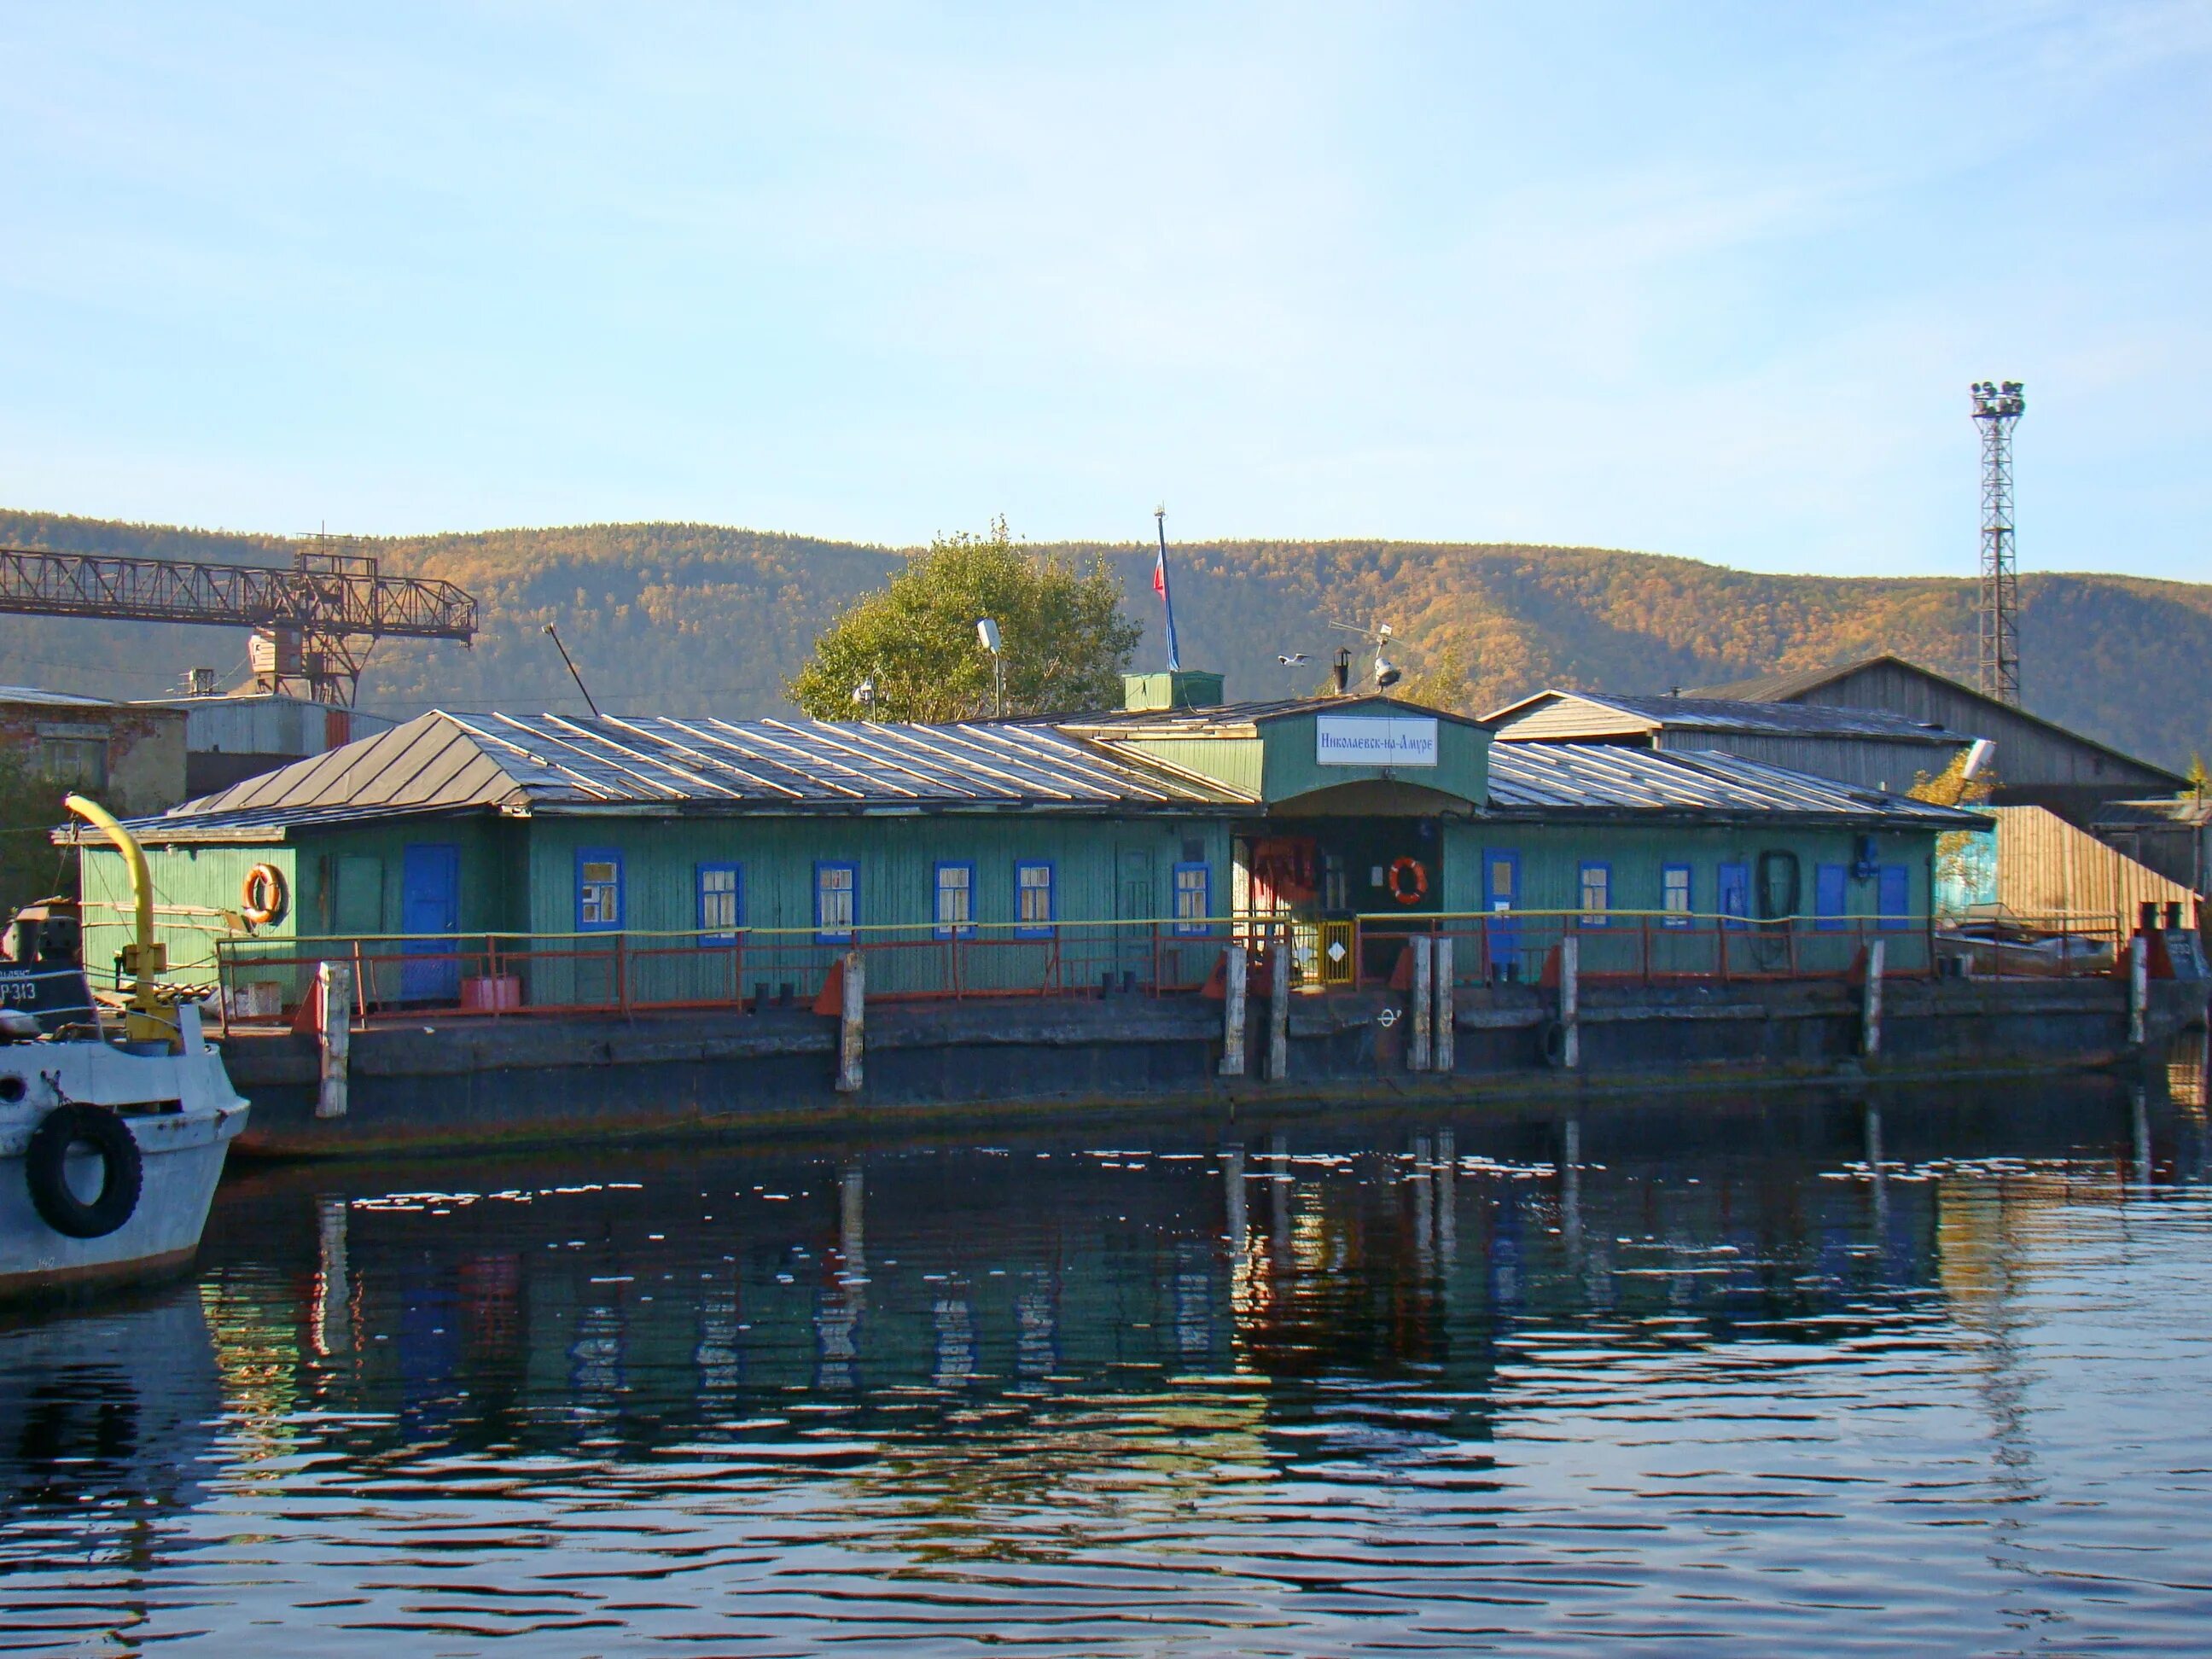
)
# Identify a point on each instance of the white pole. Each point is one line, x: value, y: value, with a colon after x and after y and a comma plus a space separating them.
x: 2138, y: 990
x: 1232, y: 1013
x: 1417, y: 1051
x: 1444, y: 1055
x: 334, y: 995
x: 1278, y: 1006
x: 1870, y: 1033
x: 851, y: 1026
x: 1571, y: 954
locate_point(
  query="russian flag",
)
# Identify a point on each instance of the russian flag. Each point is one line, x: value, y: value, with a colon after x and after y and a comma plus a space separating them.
x: 1160, y: 587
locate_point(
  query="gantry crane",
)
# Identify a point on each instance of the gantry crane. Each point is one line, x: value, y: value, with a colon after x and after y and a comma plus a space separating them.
x: 313, y: 620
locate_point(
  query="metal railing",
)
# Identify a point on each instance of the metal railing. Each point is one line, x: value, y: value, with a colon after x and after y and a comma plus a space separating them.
x: 399, y: 976
x: 263, y: 979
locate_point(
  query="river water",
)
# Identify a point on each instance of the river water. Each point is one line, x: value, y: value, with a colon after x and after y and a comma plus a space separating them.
x: 1923, y: 1373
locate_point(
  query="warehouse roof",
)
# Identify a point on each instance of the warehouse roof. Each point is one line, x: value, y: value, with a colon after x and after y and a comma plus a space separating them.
x: 550, y: 764
x: 1554, y: 713
x: 1531, y: 779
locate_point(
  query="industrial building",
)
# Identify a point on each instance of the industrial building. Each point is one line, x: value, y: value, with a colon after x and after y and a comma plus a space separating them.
x: 661, y: 851
x: 130, y: 756
x: 2038, y: 762
x: 244, y: 733
x: 1870, y: 748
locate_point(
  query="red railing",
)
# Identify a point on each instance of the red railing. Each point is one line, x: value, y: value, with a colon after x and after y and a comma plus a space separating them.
x: 265, y: 979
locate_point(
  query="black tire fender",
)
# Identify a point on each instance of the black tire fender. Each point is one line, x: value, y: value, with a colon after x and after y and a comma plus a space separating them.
x: 1553, y: 1036
x: 45, y: 1169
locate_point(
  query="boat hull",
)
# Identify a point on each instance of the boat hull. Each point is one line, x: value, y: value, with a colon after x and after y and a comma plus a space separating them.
x: 182, y: 1143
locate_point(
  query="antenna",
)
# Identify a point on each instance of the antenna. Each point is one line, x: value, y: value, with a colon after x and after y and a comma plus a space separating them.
x: 1997, y: 408
x: 573, y: 674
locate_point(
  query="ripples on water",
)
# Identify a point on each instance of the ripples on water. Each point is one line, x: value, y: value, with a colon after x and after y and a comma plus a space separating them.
x: 1789, y: 1377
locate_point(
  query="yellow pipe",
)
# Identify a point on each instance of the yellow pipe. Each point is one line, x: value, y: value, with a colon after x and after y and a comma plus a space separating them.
x: 143, y: 1023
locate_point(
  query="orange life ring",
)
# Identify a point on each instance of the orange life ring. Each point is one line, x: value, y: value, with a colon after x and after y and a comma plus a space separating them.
x: 263, y: 895
x: 1400, y: 869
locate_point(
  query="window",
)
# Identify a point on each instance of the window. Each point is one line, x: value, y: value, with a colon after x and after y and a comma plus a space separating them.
x: 1597, y: 894
x: 1032, y: 901
x: 1674, y: 895
x: 722, y: 904
x: 75, y: 762
x: 599, y: 891
x: 836, y: 902
x: 1193, y: 897
x: 955, y: 901
x: 1828, y: 890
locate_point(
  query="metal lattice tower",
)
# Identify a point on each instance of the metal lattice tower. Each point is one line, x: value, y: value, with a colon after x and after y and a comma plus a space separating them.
x: 1996, y: 407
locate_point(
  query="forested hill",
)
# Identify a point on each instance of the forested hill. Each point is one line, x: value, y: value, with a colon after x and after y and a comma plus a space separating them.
x: 690, y: 619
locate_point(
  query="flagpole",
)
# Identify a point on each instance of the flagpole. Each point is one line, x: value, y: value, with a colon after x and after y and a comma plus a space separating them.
x: 1160, y: 586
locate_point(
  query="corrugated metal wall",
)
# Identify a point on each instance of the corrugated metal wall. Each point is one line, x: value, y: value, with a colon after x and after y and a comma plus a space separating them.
x: 2046, y: 867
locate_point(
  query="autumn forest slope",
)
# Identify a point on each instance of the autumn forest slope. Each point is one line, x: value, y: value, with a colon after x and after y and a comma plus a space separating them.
x: 691, y: 619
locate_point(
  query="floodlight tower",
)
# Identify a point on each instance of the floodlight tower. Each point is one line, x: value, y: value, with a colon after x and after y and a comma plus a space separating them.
x: 1996, y: 407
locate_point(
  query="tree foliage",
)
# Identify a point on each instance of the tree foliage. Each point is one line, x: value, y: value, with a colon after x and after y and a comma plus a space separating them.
x: 705, y: 619
x: 1951, y: 786
x: 1064, y: 639
x: 30, y: 865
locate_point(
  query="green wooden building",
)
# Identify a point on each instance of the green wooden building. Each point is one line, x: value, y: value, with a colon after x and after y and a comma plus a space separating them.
x: 555, y: 861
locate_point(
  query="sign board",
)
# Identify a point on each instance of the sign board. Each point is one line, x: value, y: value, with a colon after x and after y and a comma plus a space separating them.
x: 1375, y: 740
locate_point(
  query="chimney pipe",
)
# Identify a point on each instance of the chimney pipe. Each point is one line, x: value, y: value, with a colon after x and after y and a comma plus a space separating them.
x: 1342, y: 672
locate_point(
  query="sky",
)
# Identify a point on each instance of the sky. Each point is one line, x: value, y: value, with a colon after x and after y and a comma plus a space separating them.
x: 1707, y: 280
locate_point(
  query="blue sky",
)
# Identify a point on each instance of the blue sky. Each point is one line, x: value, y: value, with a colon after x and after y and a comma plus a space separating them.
x: 1699, y: 280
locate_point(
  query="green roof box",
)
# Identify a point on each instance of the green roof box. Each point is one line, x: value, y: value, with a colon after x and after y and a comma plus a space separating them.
x: 1179, y: 688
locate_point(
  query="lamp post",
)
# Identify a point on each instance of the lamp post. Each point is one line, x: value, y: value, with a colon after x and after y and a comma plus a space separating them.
x: 987, y: 634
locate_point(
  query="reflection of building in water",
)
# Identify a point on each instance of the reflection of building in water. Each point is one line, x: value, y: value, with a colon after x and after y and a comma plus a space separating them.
x: 2189, y: 1069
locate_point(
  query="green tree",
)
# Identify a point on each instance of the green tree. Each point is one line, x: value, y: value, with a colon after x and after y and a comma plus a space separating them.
x: 2200, y: 779
x: 1065, y: 638
x: 1951, y: 786
x: 30, y: 866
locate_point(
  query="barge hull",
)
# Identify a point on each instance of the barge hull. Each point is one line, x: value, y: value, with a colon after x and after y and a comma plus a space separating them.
x: 454, y: 1084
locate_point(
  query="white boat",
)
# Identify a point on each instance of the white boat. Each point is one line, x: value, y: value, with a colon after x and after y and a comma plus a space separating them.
x: 109, y: 1149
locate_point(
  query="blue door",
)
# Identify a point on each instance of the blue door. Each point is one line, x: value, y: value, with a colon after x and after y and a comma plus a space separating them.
x: 1896, y: 896
x: 430, y: 904
x: 1501, y: 897
x: 1736, y: 894
x: 1828, y: 891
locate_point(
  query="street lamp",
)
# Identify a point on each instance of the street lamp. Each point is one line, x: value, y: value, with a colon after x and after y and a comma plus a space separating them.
x: 986, y: 635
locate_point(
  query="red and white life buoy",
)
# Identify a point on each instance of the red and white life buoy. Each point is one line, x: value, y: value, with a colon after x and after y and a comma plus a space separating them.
x: 1408, y: 880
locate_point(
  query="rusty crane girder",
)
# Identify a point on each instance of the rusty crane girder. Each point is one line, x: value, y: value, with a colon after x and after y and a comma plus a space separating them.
x: 315, y: 620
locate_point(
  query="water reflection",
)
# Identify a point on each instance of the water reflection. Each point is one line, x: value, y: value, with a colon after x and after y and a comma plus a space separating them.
x: 1560, y: 1380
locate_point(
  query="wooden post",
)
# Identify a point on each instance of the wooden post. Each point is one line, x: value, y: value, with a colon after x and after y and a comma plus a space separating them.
x: 851, y: 1022
x: 1445, y: 1054
x: 1571, y: 954
x: 1232, y: 1011
x: 2138, y: 990
x: 1870, y: 1030
x: 1279, y: 1008
x: 334, y: 989
x: 1420, y: 1047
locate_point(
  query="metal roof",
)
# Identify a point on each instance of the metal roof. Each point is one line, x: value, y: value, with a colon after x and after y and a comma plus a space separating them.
x: 36, y: 694
x: 1689, y: 713
x: 1782, y: 687
x: 551, y: 763
x: 1543, y: 779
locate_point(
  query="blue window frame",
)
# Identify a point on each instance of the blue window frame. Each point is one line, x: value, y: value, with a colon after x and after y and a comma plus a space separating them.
x: 598, y: 889
x: 1193, y: 898
x: 954, y: 908
x: 1735, y: 894
x: 1033, y: 889
x: 1596, y: 894
x: 1830, y: 884
x: 1674, y: 895
x: 721, y: 890
x: 836, y: 900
